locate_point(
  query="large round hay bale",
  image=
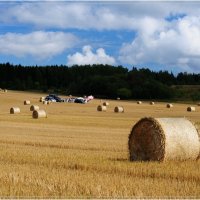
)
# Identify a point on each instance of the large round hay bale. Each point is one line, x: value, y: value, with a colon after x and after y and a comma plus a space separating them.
x: 27, y: 102
x: 118, y: 98
x: 152, y: 103
x: 101, y: 108
x: 39, y: 114
x: 105, y: 103
x: 14, y: 110
x: 169, y: 105
x: 119, y: 109
x: 5, y: 90
x: 191, y: 109
x: 159, y: 139
x: 139, y: 102
x: 34, y: 107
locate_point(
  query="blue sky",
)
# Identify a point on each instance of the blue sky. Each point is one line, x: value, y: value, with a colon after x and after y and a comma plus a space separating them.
x: 160, y: 35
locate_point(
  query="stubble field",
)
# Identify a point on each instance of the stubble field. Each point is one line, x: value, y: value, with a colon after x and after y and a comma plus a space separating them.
x: 78, y: 152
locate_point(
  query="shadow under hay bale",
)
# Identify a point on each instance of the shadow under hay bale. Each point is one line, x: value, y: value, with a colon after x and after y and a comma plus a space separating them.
x: 119, y: 109
x: 39, y: 114
x: 27, y: 102
x: 159, y: 139
x: 34, y: 107
x: 169, y: 105
x: 101, y: 108
x: 14, y: 110
x: 190, y: 109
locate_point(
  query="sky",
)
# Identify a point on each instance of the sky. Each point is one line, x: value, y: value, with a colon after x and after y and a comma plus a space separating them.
x: 160, y: 35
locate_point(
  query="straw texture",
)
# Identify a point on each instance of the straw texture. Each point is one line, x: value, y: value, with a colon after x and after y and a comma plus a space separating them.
x: 14, y: 110
x: 119, y: 109
x: 159, y: 139
x: 39, y: 114
x: 101, y: 108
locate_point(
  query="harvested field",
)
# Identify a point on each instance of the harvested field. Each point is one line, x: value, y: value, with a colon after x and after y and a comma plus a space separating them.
x: 78, y: 152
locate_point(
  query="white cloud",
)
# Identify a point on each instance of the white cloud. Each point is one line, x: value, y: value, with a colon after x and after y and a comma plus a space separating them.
x: 88, y: 57
x: 82, y: 15
x: 38, y: 44
x: 174, y: 43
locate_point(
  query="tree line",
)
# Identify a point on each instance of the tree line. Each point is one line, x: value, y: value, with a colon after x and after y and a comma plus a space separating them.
x: 103, y: 81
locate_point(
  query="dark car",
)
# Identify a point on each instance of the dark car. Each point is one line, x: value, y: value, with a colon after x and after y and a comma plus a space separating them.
x: 79, y: 100
x: 55, y: 97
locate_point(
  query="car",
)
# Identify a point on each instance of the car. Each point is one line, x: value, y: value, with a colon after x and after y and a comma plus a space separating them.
x: 54, y: 97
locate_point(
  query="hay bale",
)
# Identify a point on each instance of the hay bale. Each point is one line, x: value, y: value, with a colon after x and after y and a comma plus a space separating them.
x: 119, y: 109
x: 159, y: 139
x: 27, y: 102
x: 48, y: 102
x: 14, y: 110
x: 5, y: 90
x: 139, y: 102
x: 105, y: 103
x: 34, y: 107
x: 42, y: 99
x: 39, y: 114
x: 118, y: 98
x: 101, y: 108
x: 169, y: 105
x: 45, y: 102
x: 152, y: 103
x: 191, y: 109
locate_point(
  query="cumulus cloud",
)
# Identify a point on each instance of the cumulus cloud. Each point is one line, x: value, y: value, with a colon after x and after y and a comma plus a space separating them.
x: 38, y: 44
x: 174, y: 43
x: 107, y: 15
x: 88, y: 57
x: 65, y: 15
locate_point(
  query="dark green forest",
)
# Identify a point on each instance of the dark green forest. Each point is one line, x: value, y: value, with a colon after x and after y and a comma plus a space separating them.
x: 103, y: 81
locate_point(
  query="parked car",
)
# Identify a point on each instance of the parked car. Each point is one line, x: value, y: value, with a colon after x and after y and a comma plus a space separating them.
x: 54, y: 98
x: 79, y: 100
